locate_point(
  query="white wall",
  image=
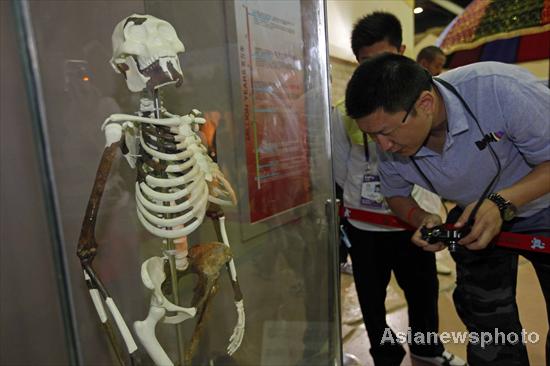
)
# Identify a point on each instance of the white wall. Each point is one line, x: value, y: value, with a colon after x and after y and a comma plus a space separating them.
x: 342, y: 15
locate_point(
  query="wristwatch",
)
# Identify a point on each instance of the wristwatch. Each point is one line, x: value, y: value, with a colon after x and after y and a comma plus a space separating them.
x: 507, y: 209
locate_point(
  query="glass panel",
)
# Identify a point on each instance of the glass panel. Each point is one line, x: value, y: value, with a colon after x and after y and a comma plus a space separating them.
x: 257, y: 70
x: 28, y: 280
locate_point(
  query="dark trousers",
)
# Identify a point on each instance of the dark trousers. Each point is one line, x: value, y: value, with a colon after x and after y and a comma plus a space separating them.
x: 485, y: 296
x: 485, y: 300
x: 374, y: 256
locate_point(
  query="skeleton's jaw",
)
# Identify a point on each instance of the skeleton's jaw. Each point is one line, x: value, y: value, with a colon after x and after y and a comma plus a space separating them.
x: 150, y: 73
x: 161, y: 71
x: 135, y: 80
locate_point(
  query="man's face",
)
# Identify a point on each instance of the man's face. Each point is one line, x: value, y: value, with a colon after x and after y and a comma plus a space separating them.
x: 436, y: 66
x: 398, y: 132
x: 403, y: 132
x: 376, y: 49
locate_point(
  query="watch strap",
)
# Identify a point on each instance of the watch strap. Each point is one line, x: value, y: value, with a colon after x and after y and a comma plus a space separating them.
x: 503, y: 205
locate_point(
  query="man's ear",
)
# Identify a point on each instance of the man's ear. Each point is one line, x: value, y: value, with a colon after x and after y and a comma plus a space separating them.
x: 426, y: 102
x: 402, y: 49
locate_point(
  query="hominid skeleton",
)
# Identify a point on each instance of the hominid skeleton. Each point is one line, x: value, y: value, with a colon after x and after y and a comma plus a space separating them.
x: 177, y: 185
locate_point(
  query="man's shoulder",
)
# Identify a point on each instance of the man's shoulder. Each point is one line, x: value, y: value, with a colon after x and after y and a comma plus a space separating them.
x: 485, y: 70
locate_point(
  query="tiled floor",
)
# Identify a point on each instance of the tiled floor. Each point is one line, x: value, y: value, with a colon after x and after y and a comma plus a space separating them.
x: 529, y: 297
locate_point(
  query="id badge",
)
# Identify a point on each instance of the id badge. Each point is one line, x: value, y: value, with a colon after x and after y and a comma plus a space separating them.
x: 370, y: 192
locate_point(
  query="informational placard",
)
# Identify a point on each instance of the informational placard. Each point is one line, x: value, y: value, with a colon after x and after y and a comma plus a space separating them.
x: 271, y: 64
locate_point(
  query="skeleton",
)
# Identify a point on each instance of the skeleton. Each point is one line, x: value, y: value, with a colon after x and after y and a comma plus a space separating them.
x: 177, y: 185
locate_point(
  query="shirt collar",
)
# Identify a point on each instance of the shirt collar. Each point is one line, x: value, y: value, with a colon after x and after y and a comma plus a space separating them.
x: 457, y: 119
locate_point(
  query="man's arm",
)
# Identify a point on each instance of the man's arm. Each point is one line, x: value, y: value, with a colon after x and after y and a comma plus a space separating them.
x: 488, y: 221
x: 409, y: 211
x: 525, y: 109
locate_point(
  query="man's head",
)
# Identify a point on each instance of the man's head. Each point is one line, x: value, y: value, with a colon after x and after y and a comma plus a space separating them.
x: 392, y: 99
x: 376, y: 33
x: 432, y: 59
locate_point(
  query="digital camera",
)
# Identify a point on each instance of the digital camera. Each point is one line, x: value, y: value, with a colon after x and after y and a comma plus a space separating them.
x: 445, y: 233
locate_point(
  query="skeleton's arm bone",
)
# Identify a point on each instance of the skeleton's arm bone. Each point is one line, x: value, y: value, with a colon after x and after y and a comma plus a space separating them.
x: 113, y: 133
x: 96, y: 299
x: 106, y: 324
x: 238, y: 331
x: 225, y: 240
x: 87, y: 245
x: 121, y: 324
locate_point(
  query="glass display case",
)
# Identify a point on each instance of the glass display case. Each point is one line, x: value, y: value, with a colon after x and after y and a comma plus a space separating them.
x: 257, y: 71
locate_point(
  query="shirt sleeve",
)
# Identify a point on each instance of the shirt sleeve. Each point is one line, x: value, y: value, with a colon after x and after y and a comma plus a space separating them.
x: 525, y: 103
x: 341, y: 147
x: 392, y: 183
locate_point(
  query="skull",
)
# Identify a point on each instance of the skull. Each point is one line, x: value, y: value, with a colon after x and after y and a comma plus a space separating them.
x: 145, y: 51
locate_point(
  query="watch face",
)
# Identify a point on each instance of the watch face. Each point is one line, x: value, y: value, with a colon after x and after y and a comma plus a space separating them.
x: 508, y: 213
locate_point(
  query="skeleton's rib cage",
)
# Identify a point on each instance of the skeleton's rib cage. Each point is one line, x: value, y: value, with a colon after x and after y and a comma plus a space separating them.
x: 173, y: 168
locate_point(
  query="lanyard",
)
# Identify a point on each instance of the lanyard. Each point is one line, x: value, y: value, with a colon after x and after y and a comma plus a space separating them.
x: 493, y: 181
x: 366, y: 146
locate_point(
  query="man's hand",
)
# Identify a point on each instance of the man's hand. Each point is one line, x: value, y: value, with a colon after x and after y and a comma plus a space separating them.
x: 428, y: 221
x: 486, y: 226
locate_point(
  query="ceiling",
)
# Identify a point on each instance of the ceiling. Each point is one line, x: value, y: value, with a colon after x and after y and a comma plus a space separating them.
x: 434, y: 15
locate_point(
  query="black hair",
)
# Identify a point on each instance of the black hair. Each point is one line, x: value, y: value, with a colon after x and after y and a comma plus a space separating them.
x: 429, y: 53
x: 376, y: 27
x: 388, y: 81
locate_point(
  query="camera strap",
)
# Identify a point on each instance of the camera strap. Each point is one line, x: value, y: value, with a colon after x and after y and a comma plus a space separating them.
x: 532, y: 243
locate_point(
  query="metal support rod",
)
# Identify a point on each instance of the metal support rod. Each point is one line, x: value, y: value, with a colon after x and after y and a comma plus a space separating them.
x: 171, y: 248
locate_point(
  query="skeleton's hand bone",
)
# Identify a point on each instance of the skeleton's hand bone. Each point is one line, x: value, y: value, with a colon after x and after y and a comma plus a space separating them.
x: 238, y: 332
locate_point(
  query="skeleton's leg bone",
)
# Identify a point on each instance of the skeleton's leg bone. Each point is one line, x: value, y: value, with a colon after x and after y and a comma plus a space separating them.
x: 145, y: 331
x: 208, y: 291
x: 206, y: 260
x: 153, y: 276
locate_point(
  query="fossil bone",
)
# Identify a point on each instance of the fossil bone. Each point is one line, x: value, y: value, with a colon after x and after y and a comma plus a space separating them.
x: 177, y: 185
